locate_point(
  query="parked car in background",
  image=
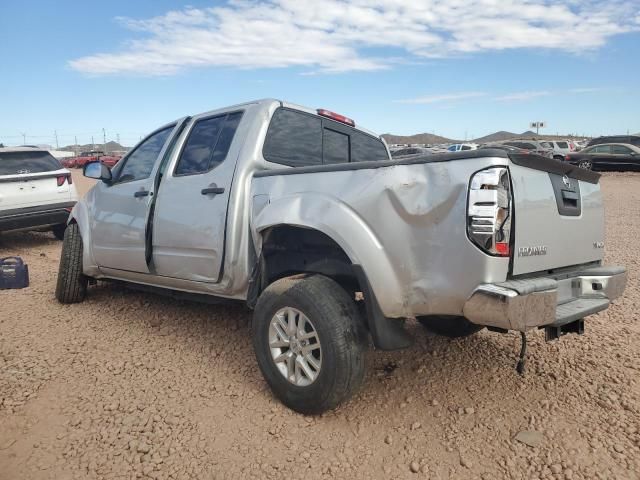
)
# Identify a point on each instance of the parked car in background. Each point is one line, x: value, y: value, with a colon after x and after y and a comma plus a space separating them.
x: 560, y: 148
x: 86, y: 157
x: 611, y: 156
x: 533, y: 146
x: 625, y: 139
x: 302, y: 214
x: 506, y: 148
x: 110, y: 160
x: 36, y: 191
x: 461, y: 147
x: 403, y: 152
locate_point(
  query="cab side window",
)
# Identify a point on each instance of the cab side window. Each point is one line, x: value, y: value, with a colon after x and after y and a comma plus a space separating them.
x: 139, y: 163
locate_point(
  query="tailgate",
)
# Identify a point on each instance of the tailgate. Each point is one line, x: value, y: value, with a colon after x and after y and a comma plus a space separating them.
x: 33, y: 190
x: 559, y: 216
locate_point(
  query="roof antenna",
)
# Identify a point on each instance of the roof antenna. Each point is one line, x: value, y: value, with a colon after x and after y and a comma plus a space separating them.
x: 523, y: 352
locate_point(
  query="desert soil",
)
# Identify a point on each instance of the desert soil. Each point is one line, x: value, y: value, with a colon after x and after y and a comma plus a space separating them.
x: 130, y: 385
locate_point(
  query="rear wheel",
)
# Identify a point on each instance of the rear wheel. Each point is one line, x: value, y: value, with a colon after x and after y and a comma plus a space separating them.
x: 449, y: 325
x: 586, y: 164
x: 309, y: 342
x: 72, y: 283
x: 58, y: 231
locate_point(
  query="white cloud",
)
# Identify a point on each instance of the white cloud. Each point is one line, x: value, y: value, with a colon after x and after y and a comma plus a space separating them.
x: 446, y: 97
x: 587, y: 90
x: 349, y: 35
x: 521, y: 96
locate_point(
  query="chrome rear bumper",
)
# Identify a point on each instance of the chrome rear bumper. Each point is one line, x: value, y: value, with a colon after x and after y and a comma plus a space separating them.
x: 524, y: 304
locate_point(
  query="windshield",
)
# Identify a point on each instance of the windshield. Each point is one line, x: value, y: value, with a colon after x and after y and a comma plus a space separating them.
x: 15, y: 163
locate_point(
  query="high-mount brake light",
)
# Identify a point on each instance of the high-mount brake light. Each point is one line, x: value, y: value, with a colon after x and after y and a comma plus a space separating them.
x: 336, y: 116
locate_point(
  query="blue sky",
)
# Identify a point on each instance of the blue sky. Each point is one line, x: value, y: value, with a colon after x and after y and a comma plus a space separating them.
x: 458, y: 68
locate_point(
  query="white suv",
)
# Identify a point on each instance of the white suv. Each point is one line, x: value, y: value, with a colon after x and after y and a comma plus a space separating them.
x: 36, y: 192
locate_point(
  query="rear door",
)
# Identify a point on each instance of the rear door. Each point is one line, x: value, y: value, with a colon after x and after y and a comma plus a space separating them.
x: 559, y: 220
x: 120, y: 210
x: 190, y: 213
x: 32, y: 178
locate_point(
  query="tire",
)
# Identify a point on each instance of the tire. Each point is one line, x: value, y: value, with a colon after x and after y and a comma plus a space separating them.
x: 449, y: 325
x: 72, y: 284
x: 58, y: 230
x: 586, y: 164
x: 341, y: 336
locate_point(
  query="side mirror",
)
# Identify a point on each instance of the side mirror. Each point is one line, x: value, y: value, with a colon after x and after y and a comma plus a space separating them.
x: 97, y: 170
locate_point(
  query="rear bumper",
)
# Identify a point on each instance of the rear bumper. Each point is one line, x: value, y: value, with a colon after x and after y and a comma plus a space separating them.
x: 35, y: 217
x: 524, y: 304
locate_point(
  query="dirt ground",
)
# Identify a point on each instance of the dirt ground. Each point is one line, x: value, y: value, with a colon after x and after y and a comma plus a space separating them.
x: 129, y: 385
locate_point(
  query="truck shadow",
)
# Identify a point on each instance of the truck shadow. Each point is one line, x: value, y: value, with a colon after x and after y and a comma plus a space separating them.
x: 451, y: 370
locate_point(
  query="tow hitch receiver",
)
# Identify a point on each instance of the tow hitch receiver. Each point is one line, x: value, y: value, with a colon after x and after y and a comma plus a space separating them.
x: 553, y: 332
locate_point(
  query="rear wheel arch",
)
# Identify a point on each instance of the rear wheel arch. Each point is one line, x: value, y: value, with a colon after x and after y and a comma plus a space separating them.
x: 289, y: 250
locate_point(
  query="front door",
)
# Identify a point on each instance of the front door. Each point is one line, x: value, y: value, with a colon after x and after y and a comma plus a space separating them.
x: 121, y: 209
x: 191, y: 207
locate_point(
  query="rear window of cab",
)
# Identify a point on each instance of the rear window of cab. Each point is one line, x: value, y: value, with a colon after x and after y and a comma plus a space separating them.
x: 300, y: 139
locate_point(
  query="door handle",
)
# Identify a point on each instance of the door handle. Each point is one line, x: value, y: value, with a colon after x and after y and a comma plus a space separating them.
x: 143, y: 193
x: 212, y: 189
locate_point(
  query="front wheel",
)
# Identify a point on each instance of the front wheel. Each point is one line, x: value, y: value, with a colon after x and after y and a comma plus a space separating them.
x: 72, y: 283
x: 449, y: 326
x: 309, y: 342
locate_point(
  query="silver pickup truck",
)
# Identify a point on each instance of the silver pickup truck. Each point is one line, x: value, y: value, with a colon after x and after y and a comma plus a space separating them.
x: 303, y: 215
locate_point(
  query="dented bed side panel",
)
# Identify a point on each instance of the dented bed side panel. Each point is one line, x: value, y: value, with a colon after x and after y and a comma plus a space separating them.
x: 404, y: 224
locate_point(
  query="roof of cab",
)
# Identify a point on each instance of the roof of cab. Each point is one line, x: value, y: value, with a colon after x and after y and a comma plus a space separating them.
x: 293, y: 106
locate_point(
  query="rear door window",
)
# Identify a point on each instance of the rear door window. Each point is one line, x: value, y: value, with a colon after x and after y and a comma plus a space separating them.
x: 294, y: 139
x: 562, y: 144
x: 335, y: 146
x: 208, y: 144
x: 16, y: 163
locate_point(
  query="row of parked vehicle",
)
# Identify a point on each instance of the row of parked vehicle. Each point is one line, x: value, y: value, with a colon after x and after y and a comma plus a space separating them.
x: 619, y: 152
x: 91, y: 156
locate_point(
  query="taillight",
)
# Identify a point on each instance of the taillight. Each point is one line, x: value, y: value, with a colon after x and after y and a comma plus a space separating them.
x: 567, y: 158
x: 489, y: 211
x: 61, y: 179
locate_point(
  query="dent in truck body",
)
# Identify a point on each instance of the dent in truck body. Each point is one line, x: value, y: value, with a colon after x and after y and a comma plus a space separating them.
x: 401, y: 223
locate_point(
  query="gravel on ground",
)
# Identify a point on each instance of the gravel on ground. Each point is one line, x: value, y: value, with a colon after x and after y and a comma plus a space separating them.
x: 132, y: 385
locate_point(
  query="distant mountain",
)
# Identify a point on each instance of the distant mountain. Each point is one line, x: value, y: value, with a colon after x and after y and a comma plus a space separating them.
x: 418, y: 138
x: 494, y: 137
x: 497, y: 137
x: 106, y: 147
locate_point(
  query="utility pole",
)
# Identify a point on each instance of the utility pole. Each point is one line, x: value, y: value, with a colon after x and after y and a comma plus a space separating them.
x: 118, y: 138
x: 75, y: 145
x: 24, y: 138
x: 104, y: 141
x: 93, y: 144
x: 55, y: 133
